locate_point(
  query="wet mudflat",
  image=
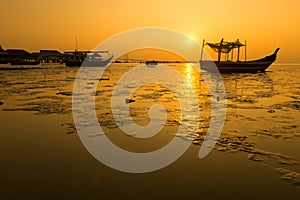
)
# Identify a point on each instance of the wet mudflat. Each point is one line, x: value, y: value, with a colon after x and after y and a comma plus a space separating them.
x: 256, y: 156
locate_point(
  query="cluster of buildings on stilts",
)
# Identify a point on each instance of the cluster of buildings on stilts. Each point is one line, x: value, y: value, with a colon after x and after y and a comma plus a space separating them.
x: 23, y: 57
x: 71, y: 58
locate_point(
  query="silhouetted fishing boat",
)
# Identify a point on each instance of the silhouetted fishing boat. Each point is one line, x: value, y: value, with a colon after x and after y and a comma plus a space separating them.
x: 229, y: 66
x: 97, y: 59
x: 150, y: 63
x: 87, y: 58
x: 74, y: 58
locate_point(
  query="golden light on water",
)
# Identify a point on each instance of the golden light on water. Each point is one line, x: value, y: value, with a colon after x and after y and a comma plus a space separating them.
x: 191, y: 76
x: 188, y: 71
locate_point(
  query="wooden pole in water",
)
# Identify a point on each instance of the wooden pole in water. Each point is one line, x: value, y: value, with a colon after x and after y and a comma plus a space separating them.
x: 76, y: 44
x: 203, y: 43
x: 238, y: 56
x: 220, y: 50
x: 245, y: 50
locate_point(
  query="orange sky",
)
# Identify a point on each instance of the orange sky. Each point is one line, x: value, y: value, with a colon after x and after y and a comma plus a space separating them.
x: 53, y: 24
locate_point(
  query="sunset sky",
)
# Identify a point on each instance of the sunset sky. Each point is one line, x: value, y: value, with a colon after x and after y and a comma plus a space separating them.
x: 53, y: 24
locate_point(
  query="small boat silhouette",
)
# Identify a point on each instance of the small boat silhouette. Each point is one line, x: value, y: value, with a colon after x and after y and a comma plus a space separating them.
x: 87, y: 58
x: 150, y: 63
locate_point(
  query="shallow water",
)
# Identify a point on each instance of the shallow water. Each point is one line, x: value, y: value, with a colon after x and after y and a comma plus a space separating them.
x: 259, y: 144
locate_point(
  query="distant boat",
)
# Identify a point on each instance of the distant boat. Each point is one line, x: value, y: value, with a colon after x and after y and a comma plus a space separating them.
x: 229, y: 66
x: 97, y: 59
x: 87, y: 58
x: 74, y: 58
x: 150, y: 63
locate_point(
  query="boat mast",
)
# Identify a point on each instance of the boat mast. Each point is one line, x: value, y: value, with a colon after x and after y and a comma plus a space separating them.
x: 203, y: 43
x: 245, y: 50
x: 220, y: 50
x: 238, y: 56
x: 76, y: 43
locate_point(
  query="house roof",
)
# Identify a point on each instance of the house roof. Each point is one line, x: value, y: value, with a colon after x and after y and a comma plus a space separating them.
x: 17, y: 52
x: 35, y: 53
x: 50, y: 52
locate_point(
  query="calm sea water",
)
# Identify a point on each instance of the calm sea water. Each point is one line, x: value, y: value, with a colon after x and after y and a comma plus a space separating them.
x: 257, y: 155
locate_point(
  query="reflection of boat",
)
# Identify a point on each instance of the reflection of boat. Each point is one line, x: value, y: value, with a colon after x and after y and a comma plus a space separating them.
x: 251, y: 86
x: 230, y: 66
x: 151, y: 63
x: 87, y: 58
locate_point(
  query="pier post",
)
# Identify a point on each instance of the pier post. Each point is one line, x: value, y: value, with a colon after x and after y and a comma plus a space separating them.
x: 220, y: 50
x: 238, y: 56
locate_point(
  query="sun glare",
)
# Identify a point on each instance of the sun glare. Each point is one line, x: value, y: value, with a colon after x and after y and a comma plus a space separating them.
x: 192, y: 37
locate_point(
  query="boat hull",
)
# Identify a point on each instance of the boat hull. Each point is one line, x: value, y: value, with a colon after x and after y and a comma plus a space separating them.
x: 235, y: 67
x: 88, y: 63
x: 73, y: 63
x: 259, y: 65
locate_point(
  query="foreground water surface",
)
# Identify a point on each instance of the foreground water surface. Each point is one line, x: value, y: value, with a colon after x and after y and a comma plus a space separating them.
x: 256, y: 156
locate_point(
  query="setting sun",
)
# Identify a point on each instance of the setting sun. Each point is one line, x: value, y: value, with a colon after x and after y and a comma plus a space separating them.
x: 192, y: 37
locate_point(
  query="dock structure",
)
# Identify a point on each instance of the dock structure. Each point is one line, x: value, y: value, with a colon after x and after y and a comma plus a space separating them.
x: 3, y: 56
x: 69, y: 58
x: 21, y: 57
x: 51, y: 56
x: 17, y: 54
